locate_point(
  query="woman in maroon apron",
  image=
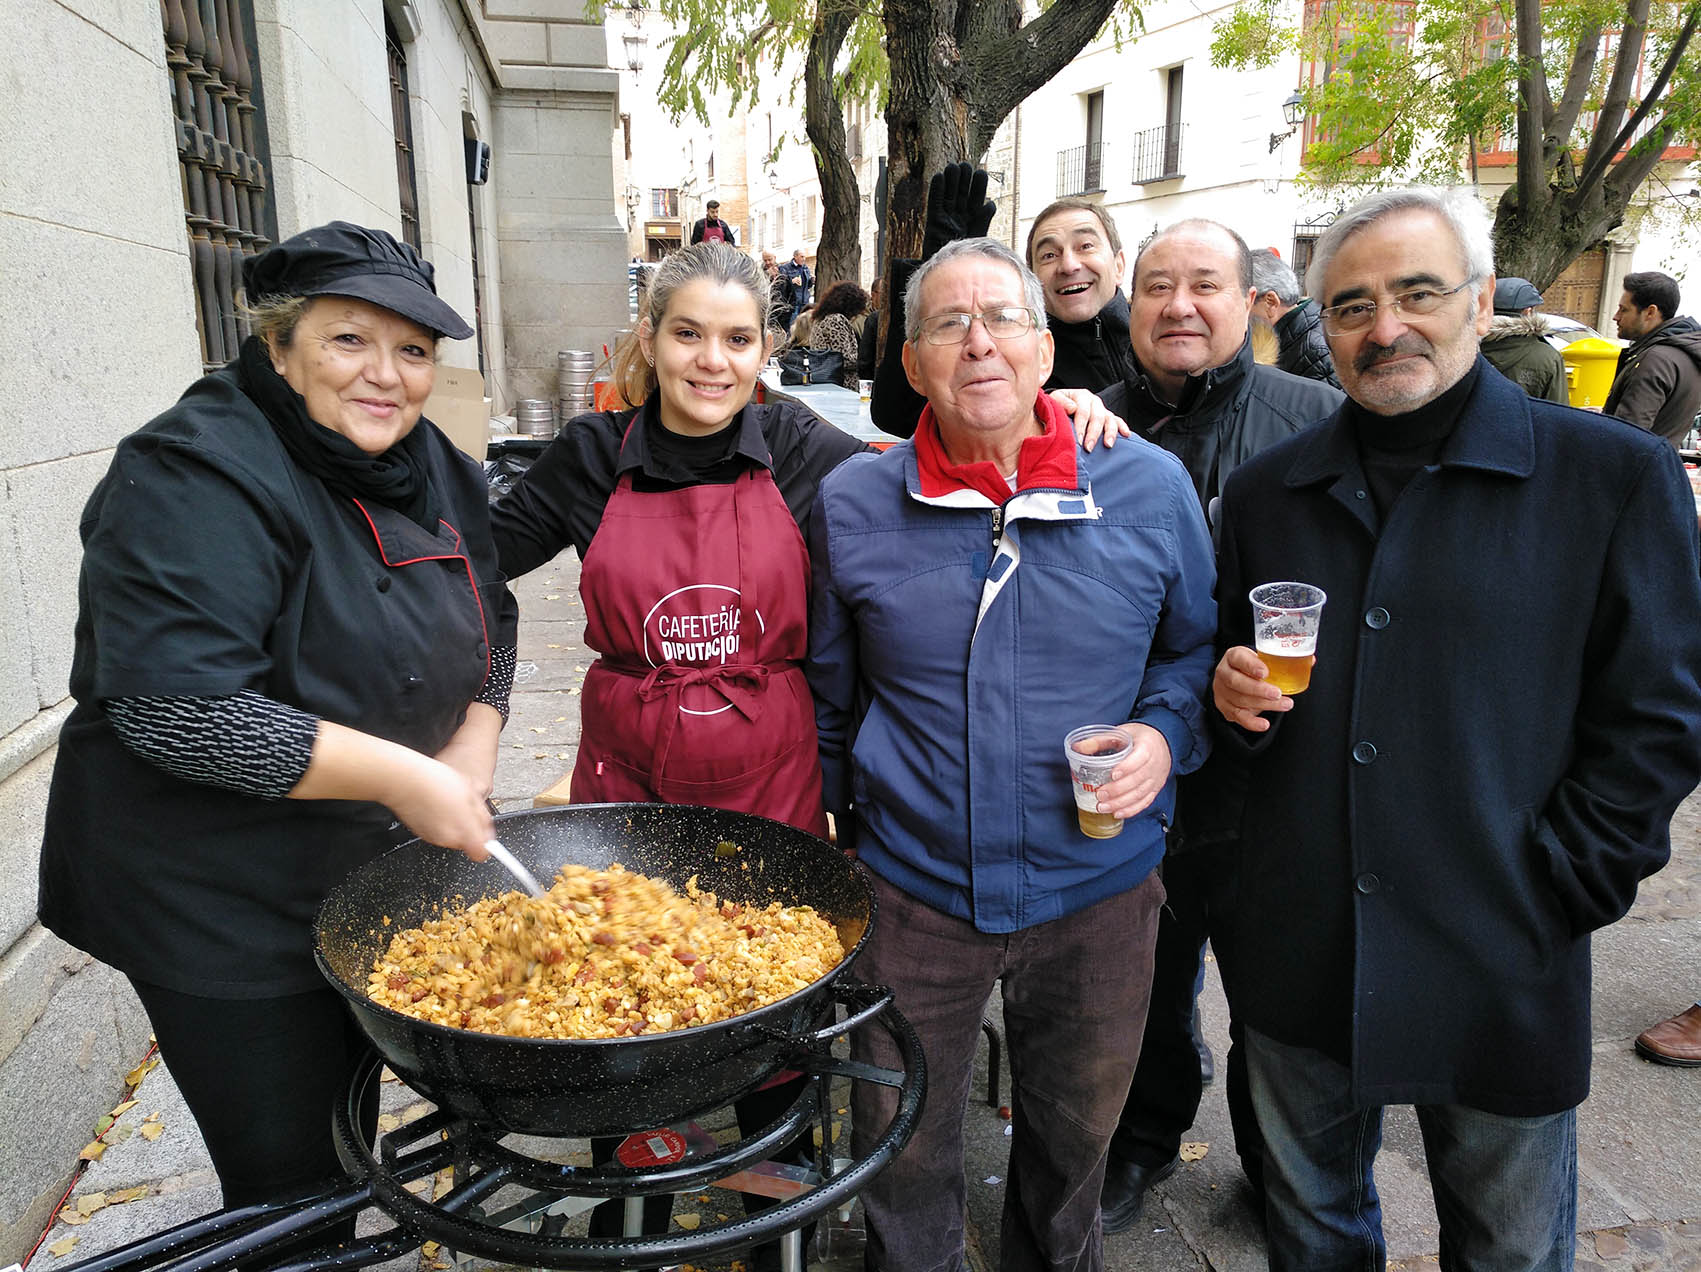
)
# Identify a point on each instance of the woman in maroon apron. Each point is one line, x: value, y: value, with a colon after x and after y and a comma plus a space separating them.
x: 687, y: 514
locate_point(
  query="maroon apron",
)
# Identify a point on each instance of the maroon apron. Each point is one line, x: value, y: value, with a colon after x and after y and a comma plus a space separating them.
x: 697, y: 602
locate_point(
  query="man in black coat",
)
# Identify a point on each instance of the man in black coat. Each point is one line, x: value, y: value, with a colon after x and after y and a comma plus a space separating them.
x: 1301, y: 348
x: 1503, y: 715
x: 1658, y: 382
x: 1195, y: 390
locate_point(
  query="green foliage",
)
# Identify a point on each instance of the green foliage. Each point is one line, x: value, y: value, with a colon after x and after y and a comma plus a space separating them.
x: 1405, y: 90
x: 733, y: 47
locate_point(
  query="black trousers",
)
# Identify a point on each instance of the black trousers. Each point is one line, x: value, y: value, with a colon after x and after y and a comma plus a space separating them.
x: 261, y: 1076
x: 1163, y: 1099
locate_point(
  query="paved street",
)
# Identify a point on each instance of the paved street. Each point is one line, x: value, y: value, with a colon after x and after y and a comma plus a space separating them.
x: 1639, y: 1142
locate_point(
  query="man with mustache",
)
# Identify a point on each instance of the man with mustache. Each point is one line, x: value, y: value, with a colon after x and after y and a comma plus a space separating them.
x: 1503, y: 716
x: 1196, y: 391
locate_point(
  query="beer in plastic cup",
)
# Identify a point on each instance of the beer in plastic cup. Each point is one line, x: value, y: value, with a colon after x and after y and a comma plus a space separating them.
x: 1285, y: 621
x: 1093, y: 751
x: 865, y: 389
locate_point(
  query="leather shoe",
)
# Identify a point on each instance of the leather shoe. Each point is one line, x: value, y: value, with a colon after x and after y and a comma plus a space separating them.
x: 1675, y: 1041
x: 1125, y: 1185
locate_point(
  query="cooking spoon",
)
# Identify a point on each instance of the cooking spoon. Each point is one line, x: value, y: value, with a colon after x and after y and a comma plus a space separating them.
x: 512, y: 865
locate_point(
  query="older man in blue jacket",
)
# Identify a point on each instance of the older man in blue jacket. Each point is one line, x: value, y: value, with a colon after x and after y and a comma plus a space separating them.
x: 1503, y: 716
x: 980, y: 591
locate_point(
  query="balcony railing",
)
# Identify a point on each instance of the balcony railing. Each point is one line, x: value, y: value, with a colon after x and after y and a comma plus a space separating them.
x: 1157, y: 154
x: 1080, y: 171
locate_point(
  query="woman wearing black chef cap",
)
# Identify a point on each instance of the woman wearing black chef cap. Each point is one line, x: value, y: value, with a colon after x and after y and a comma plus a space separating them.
x: 291, y: 635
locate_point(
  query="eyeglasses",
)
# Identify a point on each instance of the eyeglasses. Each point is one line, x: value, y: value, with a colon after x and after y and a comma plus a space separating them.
x: 1004, y: 323
x: 1356, y: 315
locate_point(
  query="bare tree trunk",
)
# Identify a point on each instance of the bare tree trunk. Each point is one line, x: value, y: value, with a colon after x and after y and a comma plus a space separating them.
x: 839, y: 254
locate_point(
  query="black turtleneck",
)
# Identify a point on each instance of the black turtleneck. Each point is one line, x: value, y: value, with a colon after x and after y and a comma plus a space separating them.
x: 1394, y: 448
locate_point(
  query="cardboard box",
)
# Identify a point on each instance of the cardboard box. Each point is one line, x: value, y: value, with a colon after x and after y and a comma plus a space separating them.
x: 457, y: 406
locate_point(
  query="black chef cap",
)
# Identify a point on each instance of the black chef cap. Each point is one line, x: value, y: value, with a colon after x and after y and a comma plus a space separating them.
x: 341, y: 259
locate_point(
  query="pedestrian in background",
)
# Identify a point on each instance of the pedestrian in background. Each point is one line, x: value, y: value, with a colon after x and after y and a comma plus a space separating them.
x: 1516, y: 342
x: 800, y: 282
x: 710, y: 228
x: 834, y: 328
x: 1658, y: 382
x: 1300, y: 346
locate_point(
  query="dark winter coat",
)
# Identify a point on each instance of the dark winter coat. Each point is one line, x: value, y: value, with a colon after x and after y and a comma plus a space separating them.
x: 1227, y: 415
x: 1658, y: 384
x: 1302, y: 349
x: 1504, y: 714
x: 1517, y: 348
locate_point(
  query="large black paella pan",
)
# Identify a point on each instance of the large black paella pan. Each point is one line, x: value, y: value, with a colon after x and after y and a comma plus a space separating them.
x: 614, y: 1085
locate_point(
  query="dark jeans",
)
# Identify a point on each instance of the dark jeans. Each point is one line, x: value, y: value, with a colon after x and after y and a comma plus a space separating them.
x: 1505, y: 1187
x: 1074, y: 993
x: 261, y: 1076
x: 1163, y: 1099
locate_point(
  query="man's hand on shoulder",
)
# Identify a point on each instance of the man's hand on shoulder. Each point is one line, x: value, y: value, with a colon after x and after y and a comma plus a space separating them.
x: 1093, y: 420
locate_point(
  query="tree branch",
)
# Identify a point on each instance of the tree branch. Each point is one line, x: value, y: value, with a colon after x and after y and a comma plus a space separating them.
x: 1626, y: 63
x: 1593, y: 168
x: 1556, y: 137
x: 1532, y: 101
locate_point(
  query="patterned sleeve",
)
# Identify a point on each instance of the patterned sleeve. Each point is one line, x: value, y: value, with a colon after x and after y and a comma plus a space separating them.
x: 499, y: 684
x: 244, y: 742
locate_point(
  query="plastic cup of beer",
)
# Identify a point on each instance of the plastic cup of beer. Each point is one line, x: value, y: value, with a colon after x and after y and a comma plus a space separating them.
x: 1285, y: 620
x: 1093, y: 751
x: 865, y: 389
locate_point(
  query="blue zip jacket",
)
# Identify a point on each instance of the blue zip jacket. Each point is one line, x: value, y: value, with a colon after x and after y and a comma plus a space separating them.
x: 954, y: 641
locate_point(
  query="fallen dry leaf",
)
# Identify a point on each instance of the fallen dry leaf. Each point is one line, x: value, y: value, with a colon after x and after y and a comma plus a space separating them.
x: 554, y: 596
x: 1192, y: 1152
x: 429, y: 1249
x: 125, y: 1107
x: 126, y: 1194
x: 537, y: 728
x: 135, y: 1076
x: 62, y: 1247
x: 151, y: 1131
x: 154, y: 1116
x: 88, y: 1203
x: 72, y: 1218
x: 92, y: 1151
x: 688, y: 1222
x: 388, y: 1121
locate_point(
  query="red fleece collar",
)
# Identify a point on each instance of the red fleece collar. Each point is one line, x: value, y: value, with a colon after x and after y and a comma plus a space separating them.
x: 1046, y: 460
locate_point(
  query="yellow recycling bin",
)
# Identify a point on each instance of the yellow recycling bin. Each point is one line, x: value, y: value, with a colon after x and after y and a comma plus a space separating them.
x: 1589, y: 367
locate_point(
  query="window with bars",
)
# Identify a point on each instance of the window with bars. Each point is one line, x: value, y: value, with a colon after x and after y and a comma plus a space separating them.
x: 219, y: 121
x: 401, y: 118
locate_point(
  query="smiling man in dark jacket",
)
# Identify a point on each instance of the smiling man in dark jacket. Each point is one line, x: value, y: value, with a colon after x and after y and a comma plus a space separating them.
x: 1503, y: 716
x: 1076, y: 253
x: 1195, y: 391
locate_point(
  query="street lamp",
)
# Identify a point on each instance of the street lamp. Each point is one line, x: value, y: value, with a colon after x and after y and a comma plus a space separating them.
x: 1293, y: 114
x: 634, y: 42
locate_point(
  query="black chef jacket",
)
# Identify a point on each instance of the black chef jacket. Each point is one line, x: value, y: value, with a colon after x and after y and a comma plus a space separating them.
x: 213, y: 564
